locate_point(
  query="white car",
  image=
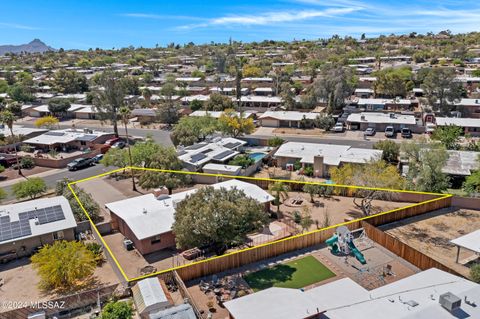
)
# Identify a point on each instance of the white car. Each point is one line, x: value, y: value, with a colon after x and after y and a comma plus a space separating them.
x: 389, y: 131
x: 339, y: 128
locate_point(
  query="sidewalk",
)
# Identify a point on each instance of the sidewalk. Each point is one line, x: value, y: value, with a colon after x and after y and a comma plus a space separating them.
x: 42, y: 174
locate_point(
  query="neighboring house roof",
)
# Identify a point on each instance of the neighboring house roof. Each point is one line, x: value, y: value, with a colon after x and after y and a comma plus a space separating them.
x: 144, y: 112
x: 458, y: 121
x: 34, y: 218
x: 332, y: 154
x: 461, y: 163
x: 217, y: 114
x: 148, y: 216
x: 288, y: 115
x: 184, y: 311
x: 383, y: 101
x: 381, y: 118
x: 222, y: 169
x: 65, y: 136
x: 345, y: 299
x: 202, y: 153
x: 20, y: 130
x: 90, y: 109
x: 44, y: 108
x: 259, y: 99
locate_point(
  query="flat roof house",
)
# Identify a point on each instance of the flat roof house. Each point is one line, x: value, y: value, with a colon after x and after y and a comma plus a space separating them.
x: 219, y: 151
x: 370, y: 104
x: 147, y: 220
x: 469, y: 125
x: 69, y: 139
x: 28, y: 225
x: 323, y: 156
x: 470, y: 107
x: 284, y: 118
x: 379, y: 121
x: 217, y: 114
x: 419, y: 296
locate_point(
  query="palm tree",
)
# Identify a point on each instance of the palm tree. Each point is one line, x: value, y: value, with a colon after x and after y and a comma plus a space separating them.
x: 7, y: 118
x: 147, y: 95
x: 124, y: 113
x: 281, y: 192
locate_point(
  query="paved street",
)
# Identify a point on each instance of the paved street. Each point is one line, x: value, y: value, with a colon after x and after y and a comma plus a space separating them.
x: 51, y: 180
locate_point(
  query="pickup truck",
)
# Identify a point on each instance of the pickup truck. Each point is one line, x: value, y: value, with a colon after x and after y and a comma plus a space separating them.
x: 79, y: 163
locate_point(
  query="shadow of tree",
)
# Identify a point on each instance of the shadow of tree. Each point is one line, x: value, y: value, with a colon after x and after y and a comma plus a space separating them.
x: 267, y: 278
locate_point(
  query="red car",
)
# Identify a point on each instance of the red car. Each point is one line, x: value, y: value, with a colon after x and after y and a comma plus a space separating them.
x: 112, y: 141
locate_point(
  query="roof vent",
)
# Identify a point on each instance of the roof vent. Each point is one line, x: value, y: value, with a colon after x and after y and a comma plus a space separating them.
x: 144, y: 211
x: 450, y: 301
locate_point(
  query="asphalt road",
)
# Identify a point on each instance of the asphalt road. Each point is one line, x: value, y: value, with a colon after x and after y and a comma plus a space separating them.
x: 51, y: 180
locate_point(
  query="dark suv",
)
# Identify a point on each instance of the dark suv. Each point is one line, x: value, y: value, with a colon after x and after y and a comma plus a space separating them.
x: 406, y: 133
x: 79, y: 163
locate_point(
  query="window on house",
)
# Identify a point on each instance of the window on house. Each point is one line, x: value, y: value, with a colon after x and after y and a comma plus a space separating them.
x: 58, y: 235
x: 83, y: 143
x: 156, y: 239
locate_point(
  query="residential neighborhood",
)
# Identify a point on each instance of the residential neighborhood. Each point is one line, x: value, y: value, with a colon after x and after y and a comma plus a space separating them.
x: 329, y: 175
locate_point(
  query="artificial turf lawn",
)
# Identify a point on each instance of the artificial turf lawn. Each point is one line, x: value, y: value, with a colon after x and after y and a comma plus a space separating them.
x: 294, y: 274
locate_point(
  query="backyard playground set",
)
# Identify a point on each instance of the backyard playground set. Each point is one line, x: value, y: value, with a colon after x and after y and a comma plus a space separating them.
x: 341, y: 243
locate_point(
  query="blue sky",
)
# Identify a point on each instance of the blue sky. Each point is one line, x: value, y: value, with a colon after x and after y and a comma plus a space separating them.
x: 84, y: 24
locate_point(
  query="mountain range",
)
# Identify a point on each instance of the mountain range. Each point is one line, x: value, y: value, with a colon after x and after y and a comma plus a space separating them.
x: 35, y: 46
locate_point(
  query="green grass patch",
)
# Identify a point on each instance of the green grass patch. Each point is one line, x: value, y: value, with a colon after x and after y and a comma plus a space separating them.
x: 294, y: 274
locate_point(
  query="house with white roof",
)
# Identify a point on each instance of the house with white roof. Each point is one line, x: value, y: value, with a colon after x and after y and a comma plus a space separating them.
x: 469, y: 125
x: 469, y: 107
x: 219, y: 150
x: 322, y: 156
x: 379, y: 121
x: 69, y: 139
x: 42, y: 110
x: 376, y: 104
x: 217, y: 114
x: 285, y: 118
x: 425, y: 295
x: 461, y: 163
x: 28, y: 225
x: 147, y: 220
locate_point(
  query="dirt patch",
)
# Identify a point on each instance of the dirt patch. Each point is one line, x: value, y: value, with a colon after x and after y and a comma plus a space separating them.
x: 431, y: 234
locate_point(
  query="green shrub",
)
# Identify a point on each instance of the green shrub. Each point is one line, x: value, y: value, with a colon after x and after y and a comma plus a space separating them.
x: 96, y: 249
x: 475, y: 273
x: 297, y: 217
x: 308, y: 171
x: 27, y: 162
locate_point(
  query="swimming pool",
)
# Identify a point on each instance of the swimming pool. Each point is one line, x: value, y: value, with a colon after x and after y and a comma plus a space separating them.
x: 257, y: 156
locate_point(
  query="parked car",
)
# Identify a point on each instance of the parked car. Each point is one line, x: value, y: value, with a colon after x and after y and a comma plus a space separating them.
x: 97, y: 158
x: 339, y: 127
x: 370, y: 131
x: 119, y: 144
x: 390, y: 131
x: 112, y: 141
x: 79, y: 163
x: 406, y: 133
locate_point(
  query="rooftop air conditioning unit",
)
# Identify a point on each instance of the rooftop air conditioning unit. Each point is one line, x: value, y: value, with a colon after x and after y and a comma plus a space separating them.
x: 450, y: 302
x: 362, y: 117
x: 392, y: 115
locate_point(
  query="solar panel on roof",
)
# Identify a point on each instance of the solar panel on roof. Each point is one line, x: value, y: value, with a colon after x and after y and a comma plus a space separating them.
x: 195, y: 146
x: 55, y: 133
x: 232, y: 145
x: 10, y: 230
x: 197, y: 157
x: 223, y: 154
x: 87, y: 137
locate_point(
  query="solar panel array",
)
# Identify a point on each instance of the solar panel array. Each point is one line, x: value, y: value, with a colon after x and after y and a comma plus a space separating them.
x: 55, y: 133
x: 195, y: 146
x: 223, y: 155
x: 11, y: 230
x: 197, y: 157
x: 232, y: 145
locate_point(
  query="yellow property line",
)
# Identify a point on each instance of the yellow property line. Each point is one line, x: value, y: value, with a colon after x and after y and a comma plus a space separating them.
x: 440, y: 196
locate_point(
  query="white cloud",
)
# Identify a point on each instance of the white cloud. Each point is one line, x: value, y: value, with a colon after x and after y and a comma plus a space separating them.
x: 16, y: 26
x: 272, y: 17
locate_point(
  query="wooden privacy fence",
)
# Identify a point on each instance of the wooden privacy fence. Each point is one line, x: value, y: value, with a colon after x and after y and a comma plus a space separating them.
x: 403, y: 250
x: 254, y: 254
x: 406, y: 212
x: 262, y: 252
